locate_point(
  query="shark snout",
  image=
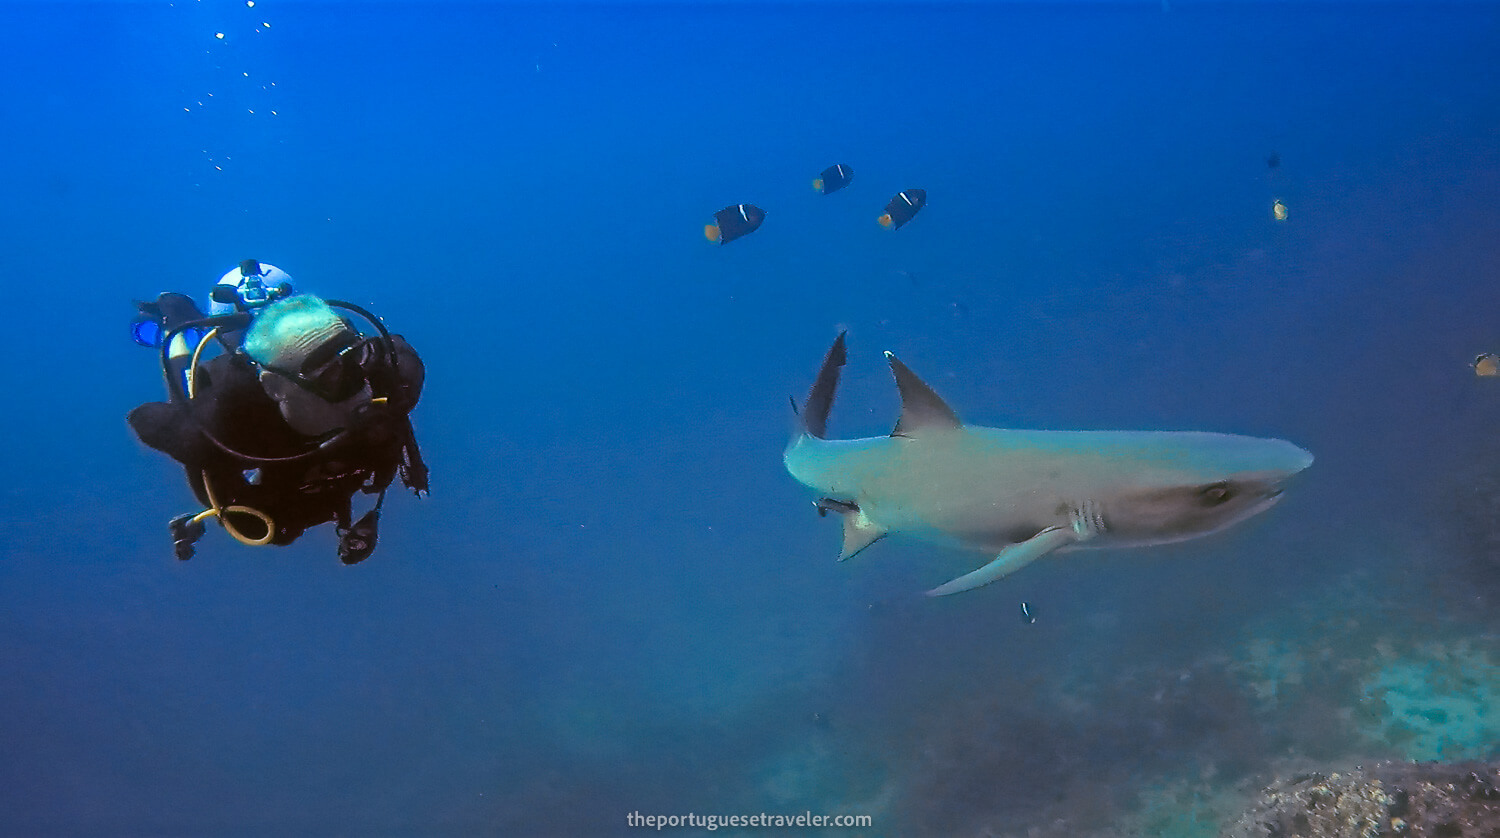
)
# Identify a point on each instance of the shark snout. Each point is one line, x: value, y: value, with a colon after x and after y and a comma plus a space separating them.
x: 1268, y: 464
x: 1300, y: 459
x: 1279, y: 460
x: 1271, y: 483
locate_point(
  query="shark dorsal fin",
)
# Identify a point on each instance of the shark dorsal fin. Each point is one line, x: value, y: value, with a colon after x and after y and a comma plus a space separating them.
x: 820, y: 397
x: 921, y: 408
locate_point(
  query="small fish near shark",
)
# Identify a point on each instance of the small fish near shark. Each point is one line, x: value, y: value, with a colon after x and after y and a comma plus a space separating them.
x: 1020, y: 495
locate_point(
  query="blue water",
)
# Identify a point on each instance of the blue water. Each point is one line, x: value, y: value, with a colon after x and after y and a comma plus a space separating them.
x: 615, y: 599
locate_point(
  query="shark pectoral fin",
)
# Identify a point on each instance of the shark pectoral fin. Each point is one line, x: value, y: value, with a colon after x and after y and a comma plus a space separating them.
x: 859, y: 533
x: 1011, y: 559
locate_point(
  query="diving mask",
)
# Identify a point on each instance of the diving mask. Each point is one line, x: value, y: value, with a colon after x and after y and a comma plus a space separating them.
x: 331, y: 371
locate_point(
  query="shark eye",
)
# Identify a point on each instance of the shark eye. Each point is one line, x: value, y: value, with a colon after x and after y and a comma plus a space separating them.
x: 1216, y: 493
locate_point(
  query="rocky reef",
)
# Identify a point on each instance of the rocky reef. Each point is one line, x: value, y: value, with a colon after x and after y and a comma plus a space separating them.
x: 1409, y: 800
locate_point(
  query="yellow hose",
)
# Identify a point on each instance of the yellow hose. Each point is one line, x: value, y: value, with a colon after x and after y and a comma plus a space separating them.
x: 223, y: 511
x: 192, y: 373
x: 215, y: 509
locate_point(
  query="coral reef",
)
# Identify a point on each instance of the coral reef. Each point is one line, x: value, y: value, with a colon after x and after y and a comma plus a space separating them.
x: 1317, y: 806
x: 1410, y: 800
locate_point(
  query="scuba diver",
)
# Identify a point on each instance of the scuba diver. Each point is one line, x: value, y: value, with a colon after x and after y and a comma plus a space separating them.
x: 295, y: 414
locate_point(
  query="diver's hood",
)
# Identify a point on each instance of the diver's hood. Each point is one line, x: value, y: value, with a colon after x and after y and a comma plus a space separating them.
x: 300, y: 344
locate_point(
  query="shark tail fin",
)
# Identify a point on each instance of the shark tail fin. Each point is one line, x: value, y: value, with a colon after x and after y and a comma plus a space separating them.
x: 820, y: 398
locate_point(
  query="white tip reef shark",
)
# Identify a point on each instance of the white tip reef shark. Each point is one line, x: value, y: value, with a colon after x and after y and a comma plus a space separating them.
x: 1020, y: 495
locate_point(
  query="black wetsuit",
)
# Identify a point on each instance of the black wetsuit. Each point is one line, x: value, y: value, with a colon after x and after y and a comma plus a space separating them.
x: 232, y: 435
